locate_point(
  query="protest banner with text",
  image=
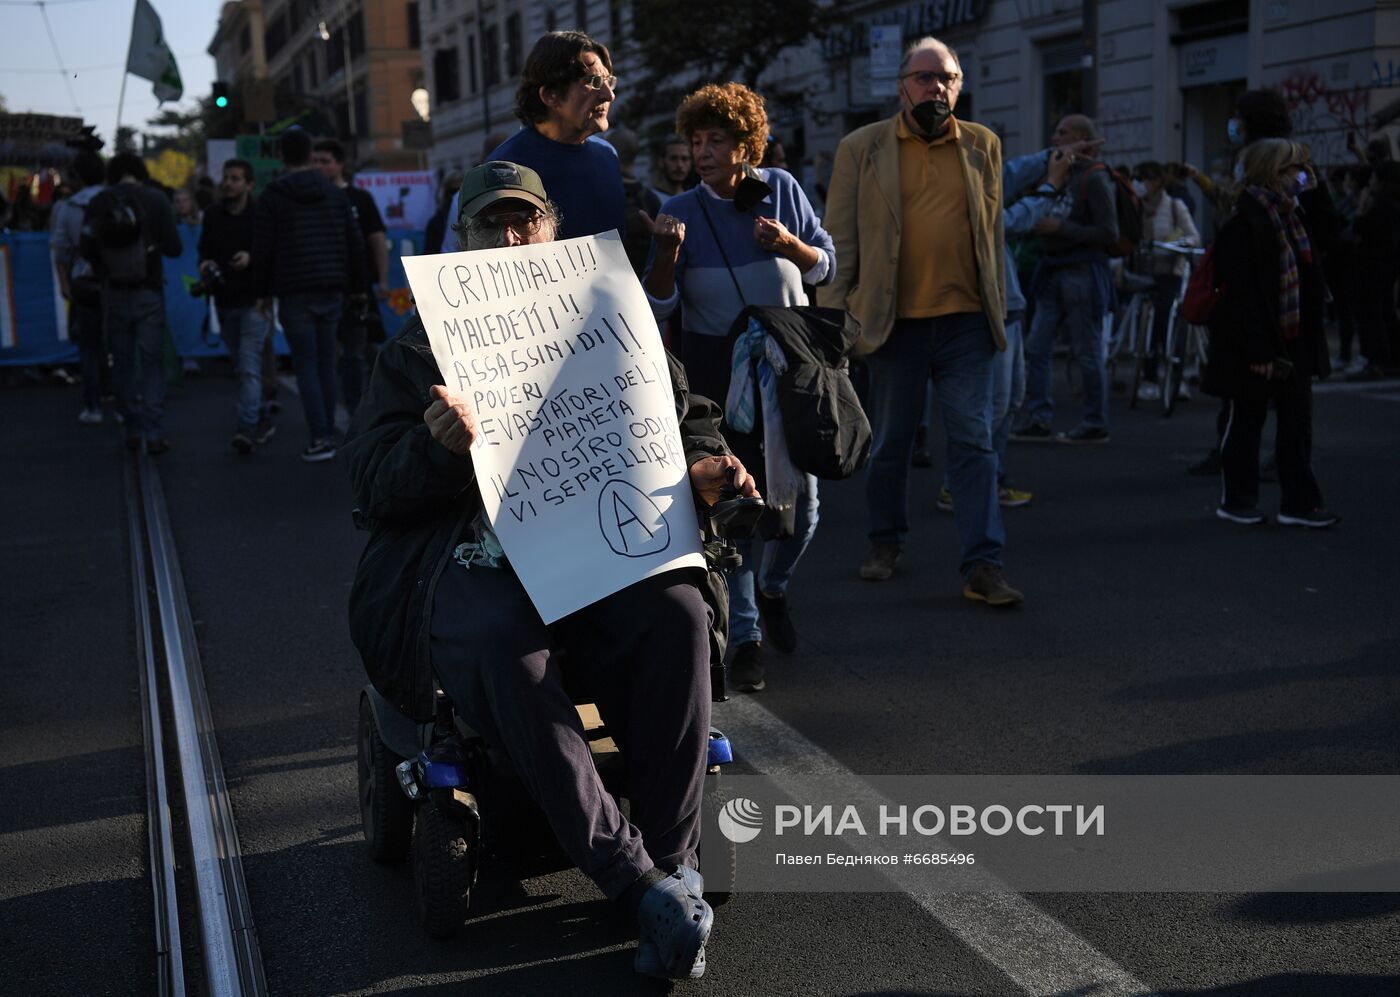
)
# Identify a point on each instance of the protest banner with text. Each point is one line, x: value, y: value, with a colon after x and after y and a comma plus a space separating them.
x: 580, y: 462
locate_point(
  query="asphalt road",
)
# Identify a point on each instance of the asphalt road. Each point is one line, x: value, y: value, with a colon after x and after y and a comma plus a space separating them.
x: 1154, y: 640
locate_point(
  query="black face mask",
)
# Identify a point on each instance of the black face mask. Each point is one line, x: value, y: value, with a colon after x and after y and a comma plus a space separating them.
x: 750, y: 190
x: 931, y: 115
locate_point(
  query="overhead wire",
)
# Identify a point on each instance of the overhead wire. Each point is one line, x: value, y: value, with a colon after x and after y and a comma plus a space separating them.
x: 67, y: 82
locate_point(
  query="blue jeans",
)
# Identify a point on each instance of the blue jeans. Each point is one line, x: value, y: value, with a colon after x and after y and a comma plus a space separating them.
x: 1066, y: 298
x: 310, y: 321
x: 768, y: 566
x: 959, y: 351
x: 1008, y: 392
x: 1008, y: 389
x: 85, y: 321
x: 244, y: 330
x: 133, y: 320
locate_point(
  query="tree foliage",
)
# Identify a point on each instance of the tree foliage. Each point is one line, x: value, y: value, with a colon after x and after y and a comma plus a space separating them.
x: 681, y: 44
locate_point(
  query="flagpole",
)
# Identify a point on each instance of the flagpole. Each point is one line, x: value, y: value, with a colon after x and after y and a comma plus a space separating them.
x: 121, y: 96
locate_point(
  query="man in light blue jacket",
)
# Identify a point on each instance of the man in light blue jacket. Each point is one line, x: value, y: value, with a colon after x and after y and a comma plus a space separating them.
x: 1030, y: 186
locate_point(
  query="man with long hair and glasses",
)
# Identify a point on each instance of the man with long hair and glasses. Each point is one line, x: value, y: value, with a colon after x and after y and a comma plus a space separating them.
x: 566, y: 89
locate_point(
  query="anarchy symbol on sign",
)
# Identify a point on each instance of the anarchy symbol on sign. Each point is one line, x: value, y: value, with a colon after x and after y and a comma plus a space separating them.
x: 631, y: 522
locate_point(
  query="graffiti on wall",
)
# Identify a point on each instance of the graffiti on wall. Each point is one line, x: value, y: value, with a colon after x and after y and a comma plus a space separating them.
x: 1325, y: 118
x: 1126, y: 123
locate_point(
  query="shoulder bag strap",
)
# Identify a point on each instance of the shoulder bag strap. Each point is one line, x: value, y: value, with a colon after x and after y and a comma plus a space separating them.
x: 700, y: 197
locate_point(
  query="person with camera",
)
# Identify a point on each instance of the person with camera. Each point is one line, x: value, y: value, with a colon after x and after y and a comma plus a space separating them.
x: 1266, y: 336
x: 225, y: 252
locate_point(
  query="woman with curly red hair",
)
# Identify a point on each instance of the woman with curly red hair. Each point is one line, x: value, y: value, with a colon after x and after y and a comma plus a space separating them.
x: 744, y: 236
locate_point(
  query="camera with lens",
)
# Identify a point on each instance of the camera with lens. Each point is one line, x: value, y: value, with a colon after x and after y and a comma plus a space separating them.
x: 211, y: 282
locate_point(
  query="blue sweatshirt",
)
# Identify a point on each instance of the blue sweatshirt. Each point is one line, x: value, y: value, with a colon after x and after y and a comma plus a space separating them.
x: 703, y: 281
x: 584, y: 180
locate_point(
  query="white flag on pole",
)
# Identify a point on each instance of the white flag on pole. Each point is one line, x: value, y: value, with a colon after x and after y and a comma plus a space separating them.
x: 149, y: 56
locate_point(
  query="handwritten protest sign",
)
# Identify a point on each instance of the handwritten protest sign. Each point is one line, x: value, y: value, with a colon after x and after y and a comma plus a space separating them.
x: 580, y: 462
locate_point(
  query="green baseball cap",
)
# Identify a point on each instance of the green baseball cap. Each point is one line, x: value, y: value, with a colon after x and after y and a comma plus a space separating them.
x: 499, y: 180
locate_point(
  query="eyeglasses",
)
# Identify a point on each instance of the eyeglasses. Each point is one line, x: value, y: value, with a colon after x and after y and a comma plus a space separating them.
x: 596, y: 82
x: 524, y: 223
x: 928, y: 79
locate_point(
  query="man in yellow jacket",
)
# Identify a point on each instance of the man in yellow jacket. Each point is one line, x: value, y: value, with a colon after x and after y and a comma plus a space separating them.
x: 915, y: 205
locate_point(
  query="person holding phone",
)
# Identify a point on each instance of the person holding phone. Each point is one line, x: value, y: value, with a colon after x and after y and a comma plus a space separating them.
x: 1266, y: 336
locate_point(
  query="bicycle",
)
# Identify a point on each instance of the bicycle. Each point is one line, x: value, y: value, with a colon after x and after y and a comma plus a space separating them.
x: 1131, y: 336
x: 1186, y: 343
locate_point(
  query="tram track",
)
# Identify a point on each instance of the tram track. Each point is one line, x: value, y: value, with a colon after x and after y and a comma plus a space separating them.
x: 227, y: 944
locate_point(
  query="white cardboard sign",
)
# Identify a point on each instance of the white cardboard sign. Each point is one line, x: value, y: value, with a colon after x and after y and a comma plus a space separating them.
x: 580, y: 462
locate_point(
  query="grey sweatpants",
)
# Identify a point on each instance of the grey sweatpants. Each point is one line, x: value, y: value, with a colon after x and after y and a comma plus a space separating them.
x: 643, y: 653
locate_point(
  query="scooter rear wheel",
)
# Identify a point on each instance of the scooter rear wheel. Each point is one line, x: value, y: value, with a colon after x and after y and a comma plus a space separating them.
x: 386, y: 814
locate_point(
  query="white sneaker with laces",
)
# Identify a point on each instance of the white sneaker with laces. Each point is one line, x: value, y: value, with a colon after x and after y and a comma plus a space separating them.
x: 90, y: 417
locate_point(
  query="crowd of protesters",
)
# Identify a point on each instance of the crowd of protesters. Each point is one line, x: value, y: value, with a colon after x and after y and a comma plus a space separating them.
x: 1044, y: 270
x: 965, y: 270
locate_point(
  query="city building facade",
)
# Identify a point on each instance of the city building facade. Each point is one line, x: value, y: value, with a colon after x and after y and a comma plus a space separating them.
x: 346, y: 67
x: 1160, y: 76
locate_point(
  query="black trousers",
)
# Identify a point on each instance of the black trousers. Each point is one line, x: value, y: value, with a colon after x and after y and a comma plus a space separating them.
x: 1239, y: 446
x: 1376, y: 321
x: 643, y: 653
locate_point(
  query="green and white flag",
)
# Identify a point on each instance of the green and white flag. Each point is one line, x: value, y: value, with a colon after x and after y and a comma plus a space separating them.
x: 149, y: 57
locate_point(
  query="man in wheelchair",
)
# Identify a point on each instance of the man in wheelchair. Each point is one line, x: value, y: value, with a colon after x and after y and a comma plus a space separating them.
x: 434, y: 596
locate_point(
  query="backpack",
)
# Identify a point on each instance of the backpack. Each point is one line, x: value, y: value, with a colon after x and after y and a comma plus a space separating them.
x: 1126, y: 205
x: 119, y: 227
x: 1202, y: 291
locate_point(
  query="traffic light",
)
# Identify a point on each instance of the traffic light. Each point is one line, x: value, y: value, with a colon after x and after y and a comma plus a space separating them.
x: 220, y: 94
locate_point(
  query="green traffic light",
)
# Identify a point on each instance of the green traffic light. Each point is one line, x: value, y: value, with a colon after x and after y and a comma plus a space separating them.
x: 221, y: 102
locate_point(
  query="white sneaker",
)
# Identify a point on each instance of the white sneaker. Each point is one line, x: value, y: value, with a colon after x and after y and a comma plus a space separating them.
x: 1183, y: 393
x: 90, y: 417
x: 1148, y: 391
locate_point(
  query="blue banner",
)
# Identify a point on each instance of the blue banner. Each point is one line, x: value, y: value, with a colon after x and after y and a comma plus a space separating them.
x: 34, y: 316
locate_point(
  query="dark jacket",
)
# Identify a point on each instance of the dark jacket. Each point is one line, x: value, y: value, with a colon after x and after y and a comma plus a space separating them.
x: 1092, y: 222
x: 158, y: 230
x: 417, y: 500
x: 221, y: 236
x: 1378, y: 232
x: 305, y: 237
x: 1244, y: 324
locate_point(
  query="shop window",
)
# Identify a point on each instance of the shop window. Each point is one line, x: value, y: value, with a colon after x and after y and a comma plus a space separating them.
x: 446, y: 76
x: 490, y: 55
x: 1217, y: 18
x: 357, y: 34
x: 275, y: 37
x: 335, y: 52
x: 514, y: 44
